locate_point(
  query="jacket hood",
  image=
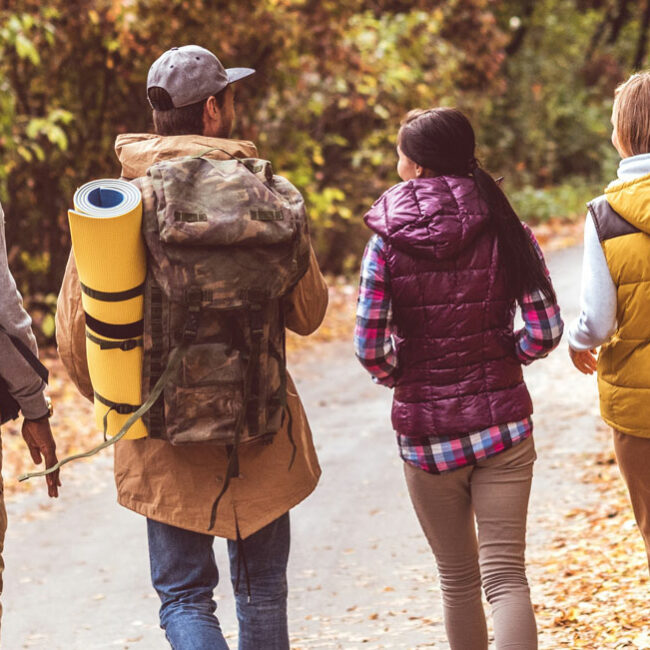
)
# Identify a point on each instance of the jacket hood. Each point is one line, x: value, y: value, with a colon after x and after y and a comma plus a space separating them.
x: 138, y: 151
x: 430, y: 217
x: 631, y: 199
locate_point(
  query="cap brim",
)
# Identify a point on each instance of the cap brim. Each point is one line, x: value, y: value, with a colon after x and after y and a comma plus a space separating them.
x: 235, y: 74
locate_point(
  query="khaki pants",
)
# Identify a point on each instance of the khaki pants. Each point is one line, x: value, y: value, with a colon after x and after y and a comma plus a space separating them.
x: 633, y: 456
x: 496, y: 492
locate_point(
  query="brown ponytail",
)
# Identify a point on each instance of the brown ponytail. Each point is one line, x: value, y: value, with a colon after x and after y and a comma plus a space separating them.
x: 442, y: 140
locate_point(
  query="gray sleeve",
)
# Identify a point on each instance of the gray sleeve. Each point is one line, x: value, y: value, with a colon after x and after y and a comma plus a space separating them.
x: 597, y: 320
x: 25, y: 386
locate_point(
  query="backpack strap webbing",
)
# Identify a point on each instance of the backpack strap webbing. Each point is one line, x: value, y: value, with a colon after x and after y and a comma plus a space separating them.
x: 256, y: 329
x: 251, y: 401
x: 156, y: 416
x: 281, y: 394
x: 233, y: 450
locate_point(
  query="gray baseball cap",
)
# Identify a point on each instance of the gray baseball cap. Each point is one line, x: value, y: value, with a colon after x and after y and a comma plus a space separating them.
x: 191, y: 74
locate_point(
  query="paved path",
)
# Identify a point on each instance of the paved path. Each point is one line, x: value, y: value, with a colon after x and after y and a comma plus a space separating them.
x: 361, y: 574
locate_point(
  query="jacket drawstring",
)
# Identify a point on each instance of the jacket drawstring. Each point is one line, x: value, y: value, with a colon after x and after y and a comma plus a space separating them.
x: 241, y: 559
x: 294, y: 449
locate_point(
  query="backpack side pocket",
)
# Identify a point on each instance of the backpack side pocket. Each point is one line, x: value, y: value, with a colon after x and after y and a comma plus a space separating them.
x: 204, y: 400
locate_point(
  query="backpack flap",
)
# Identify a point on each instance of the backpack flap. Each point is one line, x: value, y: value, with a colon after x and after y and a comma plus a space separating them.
x: 222, y: 228
x: 233, y: 237
x: 227, y: 205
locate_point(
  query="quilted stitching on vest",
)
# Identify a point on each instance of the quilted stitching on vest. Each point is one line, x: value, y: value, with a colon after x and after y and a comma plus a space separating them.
x: 458, y: 371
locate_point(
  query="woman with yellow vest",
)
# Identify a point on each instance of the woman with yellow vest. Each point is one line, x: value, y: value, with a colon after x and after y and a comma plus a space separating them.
x: 615, y: 297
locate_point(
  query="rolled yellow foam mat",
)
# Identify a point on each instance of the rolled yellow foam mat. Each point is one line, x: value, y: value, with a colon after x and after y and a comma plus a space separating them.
x: 111, y: 260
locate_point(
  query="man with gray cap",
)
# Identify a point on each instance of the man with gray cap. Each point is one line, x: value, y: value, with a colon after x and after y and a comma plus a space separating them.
x: 192, y: 98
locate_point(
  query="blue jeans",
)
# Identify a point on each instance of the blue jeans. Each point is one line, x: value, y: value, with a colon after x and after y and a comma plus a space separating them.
x: 185, y: 574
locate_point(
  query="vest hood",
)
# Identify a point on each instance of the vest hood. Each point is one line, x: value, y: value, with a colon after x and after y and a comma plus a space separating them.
x: 430, y: 217
x: 631, y: 199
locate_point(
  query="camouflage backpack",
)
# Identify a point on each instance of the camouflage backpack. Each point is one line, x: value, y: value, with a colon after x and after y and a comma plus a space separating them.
x: 226, y: 240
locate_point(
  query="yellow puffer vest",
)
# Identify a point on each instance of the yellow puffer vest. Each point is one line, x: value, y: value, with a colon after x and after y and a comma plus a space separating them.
x: 622, y: 218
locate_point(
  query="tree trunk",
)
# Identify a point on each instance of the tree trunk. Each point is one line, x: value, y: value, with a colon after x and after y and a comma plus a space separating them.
x: 642, y: 44
x: 600, y: 32
x: 519, y: 34
x: 623, y: 13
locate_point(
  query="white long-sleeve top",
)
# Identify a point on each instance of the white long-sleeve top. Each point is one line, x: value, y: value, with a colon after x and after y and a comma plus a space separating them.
x: 597, y: 320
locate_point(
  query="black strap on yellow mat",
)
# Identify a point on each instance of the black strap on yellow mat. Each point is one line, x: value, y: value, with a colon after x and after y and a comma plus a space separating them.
x: 119, y: 407
x: 113, y: 296
x: 111, y: 331
x: 126, y: 345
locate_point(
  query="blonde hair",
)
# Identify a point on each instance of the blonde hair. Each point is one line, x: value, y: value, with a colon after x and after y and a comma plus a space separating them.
x: 631, y: 114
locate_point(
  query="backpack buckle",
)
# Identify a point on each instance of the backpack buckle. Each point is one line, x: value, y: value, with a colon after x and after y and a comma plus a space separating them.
x: 256, y: 320
x: 194, y: 296
x: 191, y: 326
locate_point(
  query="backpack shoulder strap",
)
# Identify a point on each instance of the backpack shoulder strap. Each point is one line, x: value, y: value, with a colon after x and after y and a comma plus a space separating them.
x: 28, y: 355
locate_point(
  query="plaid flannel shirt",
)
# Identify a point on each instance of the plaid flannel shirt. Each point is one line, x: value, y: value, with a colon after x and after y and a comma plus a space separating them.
x: 374, y: 347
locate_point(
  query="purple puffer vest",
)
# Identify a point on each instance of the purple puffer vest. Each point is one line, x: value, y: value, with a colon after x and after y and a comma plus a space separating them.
x: 458, y: 371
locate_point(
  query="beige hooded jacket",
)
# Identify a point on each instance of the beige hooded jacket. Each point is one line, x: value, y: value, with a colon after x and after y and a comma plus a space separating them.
x: 177, y: 485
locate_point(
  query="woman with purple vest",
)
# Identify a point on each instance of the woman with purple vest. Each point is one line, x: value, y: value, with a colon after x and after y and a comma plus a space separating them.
x: 440, y: 281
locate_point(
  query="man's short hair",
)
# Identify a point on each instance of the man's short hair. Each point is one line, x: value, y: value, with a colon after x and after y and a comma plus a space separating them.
x: 187, y: 120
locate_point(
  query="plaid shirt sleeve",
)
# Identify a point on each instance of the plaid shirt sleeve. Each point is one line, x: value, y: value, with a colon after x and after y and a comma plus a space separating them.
x: 373, y: 343
x: 543, y: 325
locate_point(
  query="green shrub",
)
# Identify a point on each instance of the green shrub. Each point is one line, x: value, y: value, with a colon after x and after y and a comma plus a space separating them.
x: 567, y: 201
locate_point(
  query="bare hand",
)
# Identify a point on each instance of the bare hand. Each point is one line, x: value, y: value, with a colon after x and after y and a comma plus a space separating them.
x: 584, y: 360
x: 38, y: 436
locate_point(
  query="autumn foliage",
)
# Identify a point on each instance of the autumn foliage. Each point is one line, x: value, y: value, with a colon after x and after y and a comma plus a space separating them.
x: 334, y: 79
